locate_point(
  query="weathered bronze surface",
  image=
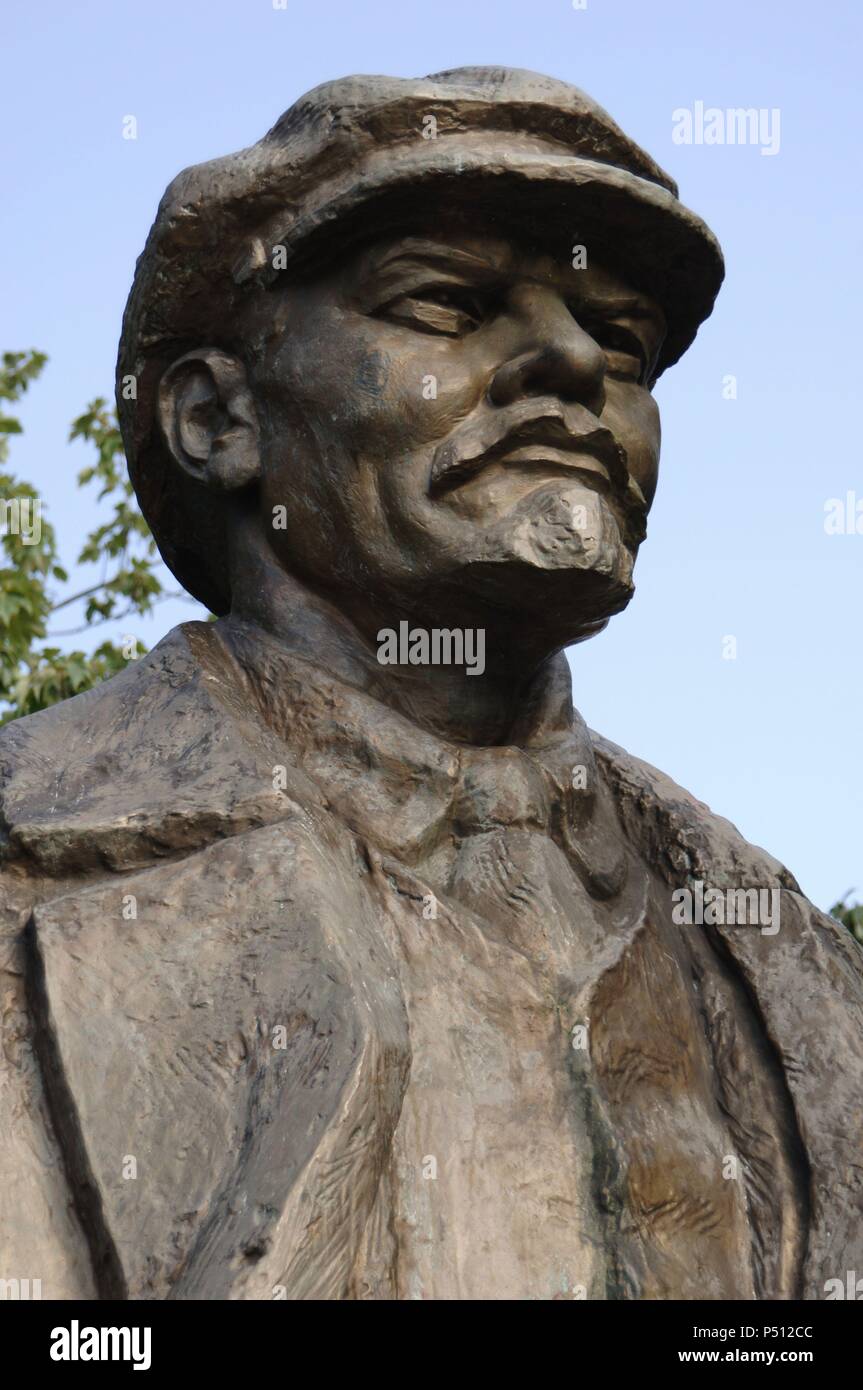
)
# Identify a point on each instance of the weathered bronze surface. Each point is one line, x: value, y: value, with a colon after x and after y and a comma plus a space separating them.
x: 341, y: 959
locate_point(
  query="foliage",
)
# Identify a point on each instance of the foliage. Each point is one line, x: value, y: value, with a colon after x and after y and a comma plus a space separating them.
x: 34, y: 671
x: 850, y: 915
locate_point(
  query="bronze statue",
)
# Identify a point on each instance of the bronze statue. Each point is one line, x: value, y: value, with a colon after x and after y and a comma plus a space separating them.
x: 342, y: 959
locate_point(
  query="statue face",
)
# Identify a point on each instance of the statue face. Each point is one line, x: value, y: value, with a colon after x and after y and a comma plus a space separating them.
x: 460, y: 429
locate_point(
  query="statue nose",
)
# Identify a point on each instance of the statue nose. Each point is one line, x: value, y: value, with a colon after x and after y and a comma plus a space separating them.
x: 562, y: 359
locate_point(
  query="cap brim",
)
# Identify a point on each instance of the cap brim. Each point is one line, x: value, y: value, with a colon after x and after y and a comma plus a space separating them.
x: 625, y: 221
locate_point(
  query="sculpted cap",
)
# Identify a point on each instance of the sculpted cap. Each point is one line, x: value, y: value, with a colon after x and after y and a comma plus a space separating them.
x: 348, y: 158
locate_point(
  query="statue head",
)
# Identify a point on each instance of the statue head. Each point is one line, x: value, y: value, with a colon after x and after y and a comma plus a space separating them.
x: 410, y: 339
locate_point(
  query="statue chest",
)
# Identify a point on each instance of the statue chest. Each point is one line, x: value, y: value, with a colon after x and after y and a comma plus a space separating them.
x: 563, y: 1132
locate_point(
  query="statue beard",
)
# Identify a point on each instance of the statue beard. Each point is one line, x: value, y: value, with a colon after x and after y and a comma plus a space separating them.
x: 562, y: 557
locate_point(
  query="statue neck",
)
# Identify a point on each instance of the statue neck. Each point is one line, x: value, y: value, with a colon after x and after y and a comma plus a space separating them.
x: 497, y: 696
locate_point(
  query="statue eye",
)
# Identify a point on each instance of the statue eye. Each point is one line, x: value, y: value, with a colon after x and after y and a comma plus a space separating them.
x: 449, y: 310
x: 624, y: 351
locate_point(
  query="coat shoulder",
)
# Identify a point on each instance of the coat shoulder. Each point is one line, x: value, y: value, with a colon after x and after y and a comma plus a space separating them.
x: 679, y: 834
x: 161, y: 759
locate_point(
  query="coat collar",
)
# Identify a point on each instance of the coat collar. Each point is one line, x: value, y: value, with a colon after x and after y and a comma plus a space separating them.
x: 221, y: 728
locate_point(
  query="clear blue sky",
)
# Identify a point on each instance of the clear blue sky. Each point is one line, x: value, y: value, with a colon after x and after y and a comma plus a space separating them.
x: 737, y: 543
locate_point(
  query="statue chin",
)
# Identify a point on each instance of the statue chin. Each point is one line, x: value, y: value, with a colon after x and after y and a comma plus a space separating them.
x: 558, y: 555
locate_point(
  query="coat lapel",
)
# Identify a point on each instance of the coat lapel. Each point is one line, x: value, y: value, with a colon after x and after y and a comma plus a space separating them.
x: 807, y: 982
x: 806, y: 985
x: 225, y: 1068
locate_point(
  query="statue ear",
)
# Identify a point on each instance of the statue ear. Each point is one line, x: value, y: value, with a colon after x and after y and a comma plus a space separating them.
x: 208, y: 419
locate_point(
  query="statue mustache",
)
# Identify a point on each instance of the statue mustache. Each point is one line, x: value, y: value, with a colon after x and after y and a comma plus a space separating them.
x: 568, y: 427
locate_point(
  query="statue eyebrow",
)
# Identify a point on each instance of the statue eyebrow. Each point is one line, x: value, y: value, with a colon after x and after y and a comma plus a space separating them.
x: 632, y: 306
x: 442, y: 256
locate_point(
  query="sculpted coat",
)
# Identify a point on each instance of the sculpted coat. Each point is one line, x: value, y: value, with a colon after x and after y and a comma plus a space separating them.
x: 428, y: 925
